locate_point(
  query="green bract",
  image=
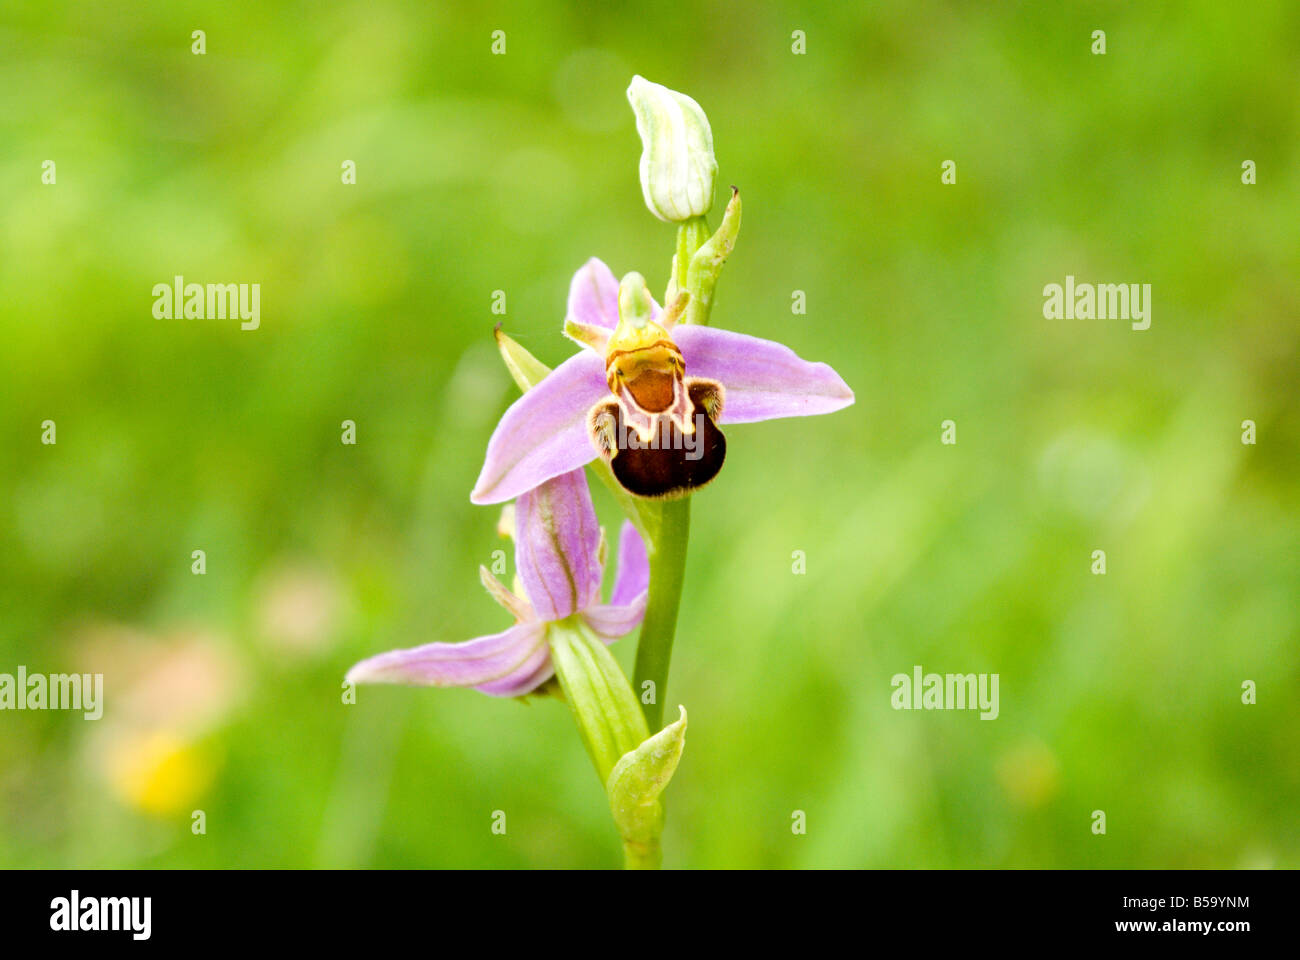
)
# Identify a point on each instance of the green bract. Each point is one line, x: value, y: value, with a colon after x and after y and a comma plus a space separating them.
x: 635, y: 766
x: 634, y: 787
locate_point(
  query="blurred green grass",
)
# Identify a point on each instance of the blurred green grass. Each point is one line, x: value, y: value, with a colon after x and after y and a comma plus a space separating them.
x: 477, y: 173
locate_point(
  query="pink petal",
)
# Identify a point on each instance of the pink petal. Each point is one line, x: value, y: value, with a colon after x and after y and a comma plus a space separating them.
x: 557, y: 546
x: 519, y: 682
x: 763, y: 379
x: 593, y: 295
x: 501, y: 659
x: 626, y: 606
x: 611, y: 621
x: 632, y: 575
x: 544, y: 433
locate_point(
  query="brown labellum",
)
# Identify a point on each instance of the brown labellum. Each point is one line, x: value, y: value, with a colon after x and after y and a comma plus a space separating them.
x: 668, y: 463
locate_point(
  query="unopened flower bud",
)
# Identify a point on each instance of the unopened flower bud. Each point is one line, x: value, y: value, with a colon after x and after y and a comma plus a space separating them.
x: 677, y: 163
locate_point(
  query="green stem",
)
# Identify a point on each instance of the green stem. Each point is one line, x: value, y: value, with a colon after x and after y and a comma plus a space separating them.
x: 691, y: 235
x: 667, y: 544
x: 642, y: 856
x: 667, y: 569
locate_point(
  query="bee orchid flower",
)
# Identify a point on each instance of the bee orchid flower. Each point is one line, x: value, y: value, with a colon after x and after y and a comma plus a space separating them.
x: 644, y: 380
x: 559, y: 559
x: 647, y: 393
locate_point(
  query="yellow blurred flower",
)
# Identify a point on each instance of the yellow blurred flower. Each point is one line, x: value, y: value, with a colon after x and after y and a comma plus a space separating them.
x: 158, y: 772
x: 164, y: 697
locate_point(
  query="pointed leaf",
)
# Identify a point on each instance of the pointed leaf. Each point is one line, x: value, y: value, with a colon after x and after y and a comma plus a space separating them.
x: 637, y: 780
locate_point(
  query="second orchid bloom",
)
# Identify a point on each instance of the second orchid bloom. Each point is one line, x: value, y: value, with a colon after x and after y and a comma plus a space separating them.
x: 559, y: 556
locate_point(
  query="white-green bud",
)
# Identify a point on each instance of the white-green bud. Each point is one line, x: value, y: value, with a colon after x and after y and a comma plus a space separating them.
x: 677, y: 163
